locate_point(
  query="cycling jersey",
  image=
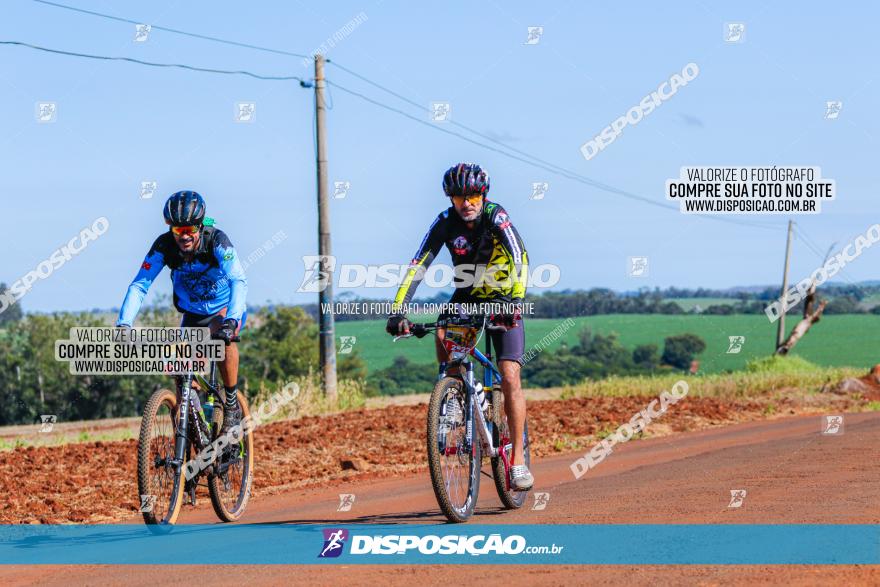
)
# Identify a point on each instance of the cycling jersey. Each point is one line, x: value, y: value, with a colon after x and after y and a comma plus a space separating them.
x: 211, y: 281
x: 493, y: 249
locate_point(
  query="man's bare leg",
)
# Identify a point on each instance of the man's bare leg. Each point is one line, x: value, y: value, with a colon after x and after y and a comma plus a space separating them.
x: 514, y: 407
x: 229, y: 365
x: 228, y: 368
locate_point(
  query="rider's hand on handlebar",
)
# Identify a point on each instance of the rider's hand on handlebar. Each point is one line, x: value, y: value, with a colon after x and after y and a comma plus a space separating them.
x: 227, y: 331
x: 517, y: 312
x: 507, y: 320
x: 398, y: 325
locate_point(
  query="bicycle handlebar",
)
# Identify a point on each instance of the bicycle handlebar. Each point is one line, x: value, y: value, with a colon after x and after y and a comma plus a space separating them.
x: 419, y: 330
x: 228, y: 342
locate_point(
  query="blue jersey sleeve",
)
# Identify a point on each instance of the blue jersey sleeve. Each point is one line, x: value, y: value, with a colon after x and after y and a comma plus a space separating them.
x: 137, y: 291
x: 233, y: 272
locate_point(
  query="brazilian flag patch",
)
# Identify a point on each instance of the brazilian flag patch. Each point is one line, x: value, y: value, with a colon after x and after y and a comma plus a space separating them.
x: 228, y: 256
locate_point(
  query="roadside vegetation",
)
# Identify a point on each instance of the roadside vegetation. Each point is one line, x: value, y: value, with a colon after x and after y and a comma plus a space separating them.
x: 279, y: 346
x: 761, y: 377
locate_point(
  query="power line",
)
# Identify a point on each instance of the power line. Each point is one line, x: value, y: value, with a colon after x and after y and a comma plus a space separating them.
x: 175, y: 31
x: 454, y: 123
x: 813, y: 246
x: 470, y: 140
x: 560, y: 171
x: 569, y: 173
x: 152, y: 64
x: 811, y: 243
x: 542, y: 164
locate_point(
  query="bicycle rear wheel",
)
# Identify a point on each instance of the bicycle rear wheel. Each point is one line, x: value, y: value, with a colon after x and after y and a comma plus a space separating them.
x: 455, y: 469
x: 511, y: 499
x: 160, y: 484
x: 232, y: 477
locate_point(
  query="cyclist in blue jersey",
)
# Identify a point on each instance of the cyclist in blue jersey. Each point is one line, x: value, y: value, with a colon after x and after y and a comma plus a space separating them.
x: 209, y: 283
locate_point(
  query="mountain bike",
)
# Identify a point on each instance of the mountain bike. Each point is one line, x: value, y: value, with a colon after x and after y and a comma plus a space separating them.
x: 466, y: 420
x: 171, y: 437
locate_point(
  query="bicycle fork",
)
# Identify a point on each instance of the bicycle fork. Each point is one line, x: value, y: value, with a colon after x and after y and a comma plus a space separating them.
x: 470, y: 408
x: 182, y: 437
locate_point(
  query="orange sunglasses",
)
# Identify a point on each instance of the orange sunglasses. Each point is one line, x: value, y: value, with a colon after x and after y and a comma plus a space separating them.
x: 181, y: 230
x: 473, y: 199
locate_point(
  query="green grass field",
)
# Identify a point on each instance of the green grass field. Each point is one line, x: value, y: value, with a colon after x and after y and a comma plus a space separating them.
x: 835, y: 341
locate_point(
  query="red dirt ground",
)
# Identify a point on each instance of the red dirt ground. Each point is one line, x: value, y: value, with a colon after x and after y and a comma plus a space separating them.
x: 793, y: 475
x: 95, y: 482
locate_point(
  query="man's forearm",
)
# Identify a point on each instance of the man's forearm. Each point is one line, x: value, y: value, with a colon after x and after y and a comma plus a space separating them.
x: 134, y: 297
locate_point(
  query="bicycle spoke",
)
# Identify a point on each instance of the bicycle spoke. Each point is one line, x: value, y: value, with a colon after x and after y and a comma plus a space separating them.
x: 161, y: 449
x: 455, y: 459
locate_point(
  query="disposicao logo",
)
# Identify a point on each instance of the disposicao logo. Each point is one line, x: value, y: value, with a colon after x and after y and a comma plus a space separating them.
x: 334, y: 541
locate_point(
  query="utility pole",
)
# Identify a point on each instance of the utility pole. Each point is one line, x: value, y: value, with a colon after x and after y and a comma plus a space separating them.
x: 325, y: 295
x: 780, y: 332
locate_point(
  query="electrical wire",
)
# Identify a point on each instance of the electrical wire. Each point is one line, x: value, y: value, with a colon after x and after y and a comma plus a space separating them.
x: 554, y: 168
x: 531, y: 159
x: 470, y: 140
x: 564, y: 173
x: 152, y: 64
x: 175, y: 31
x: 452, y: 122
x: 811, y: 244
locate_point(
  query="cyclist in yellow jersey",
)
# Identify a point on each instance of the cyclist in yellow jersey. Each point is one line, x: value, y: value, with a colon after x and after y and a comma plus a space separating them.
x: 484, y: 243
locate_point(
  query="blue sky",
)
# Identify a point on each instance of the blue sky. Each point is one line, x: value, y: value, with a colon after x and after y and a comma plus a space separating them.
x: 760, y: 102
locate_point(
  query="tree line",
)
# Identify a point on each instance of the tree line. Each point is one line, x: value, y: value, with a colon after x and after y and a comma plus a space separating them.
x: 281, y: 344
x: 844, y: 299
x: 594, y: 356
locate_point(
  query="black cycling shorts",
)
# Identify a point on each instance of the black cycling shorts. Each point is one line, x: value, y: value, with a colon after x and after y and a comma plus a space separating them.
x: 510, y: 345
x: 193, y: 320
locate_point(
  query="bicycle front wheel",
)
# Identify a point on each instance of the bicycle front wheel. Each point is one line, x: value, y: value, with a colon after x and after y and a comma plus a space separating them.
x: 160, y: 483
x: 230, y: 483
x: 453, y: 459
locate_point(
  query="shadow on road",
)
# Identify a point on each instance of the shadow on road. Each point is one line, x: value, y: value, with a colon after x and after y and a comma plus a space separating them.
x: 391, y: 518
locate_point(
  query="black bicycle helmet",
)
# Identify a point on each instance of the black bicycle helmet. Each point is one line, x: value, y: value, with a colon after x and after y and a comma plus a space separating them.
x: 465, y: 179
x: 185, y: 208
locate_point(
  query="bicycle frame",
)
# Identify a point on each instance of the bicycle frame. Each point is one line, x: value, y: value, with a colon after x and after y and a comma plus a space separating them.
x: 460, y: 430
x: 462, y: 368
x: 181, y: 438
x: 491, y: 376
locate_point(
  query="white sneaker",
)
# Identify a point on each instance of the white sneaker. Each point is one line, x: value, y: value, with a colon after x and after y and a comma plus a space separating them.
x: 520, y: 478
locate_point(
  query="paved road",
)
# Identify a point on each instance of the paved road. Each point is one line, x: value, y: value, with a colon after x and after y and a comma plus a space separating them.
x: 791, y: 474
